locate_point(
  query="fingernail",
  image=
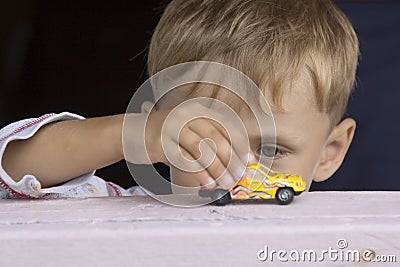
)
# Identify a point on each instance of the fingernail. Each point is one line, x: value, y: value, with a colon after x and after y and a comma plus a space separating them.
x: 226, y: 181
x: 251, y: 158
x: 210, y: 183
x: 238, y: 172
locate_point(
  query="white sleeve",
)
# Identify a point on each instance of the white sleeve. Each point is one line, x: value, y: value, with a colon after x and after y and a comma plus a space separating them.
x: 87, y: 185
x: 28, y: 186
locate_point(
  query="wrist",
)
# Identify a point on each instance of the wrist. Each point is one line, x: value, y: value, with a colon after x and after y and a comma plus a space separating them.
x: 115, y: 134
x: 138, y: 143
x: 153, y: 134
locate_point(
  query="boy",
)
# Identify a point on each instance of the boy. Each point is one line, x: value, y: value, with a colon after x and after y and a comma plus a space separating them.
x: 301, y: 54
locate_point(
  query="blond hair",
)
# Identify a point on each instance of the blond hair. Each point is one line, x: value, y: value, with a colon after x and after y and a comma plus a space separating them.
x: 271, y: 41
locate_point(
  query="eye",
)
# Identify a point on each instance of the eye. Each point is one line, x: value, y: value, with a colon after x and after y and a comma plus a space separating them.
x: 270, y: 151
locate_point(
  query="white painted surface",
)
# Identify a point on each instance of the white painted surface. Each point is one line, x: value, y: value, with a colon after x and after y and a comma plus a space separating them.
x: 140, y: 231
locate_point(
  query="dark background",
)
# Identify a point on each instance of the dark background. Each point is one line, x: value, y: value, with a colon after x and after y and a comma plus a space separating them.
x: 88, y: 57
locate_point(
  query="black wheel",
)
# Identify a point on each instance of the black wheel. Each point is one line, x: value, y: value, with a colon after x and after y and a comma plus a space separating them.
x: 284, y: 195
x: 220, y: 197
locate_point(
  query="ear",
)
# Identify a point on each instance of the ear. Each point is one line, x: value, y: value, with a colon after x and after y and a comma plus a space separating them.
x: 147, y: 106
x: 335, y: 149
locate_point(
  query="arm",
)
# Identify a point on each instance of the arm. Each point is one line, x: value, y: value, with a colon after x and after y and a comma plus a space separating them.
x: 61, y: 151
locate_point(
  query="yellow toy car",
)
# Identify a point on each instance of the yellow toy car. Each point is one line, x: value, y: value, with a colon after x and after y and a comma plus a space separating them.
x: 260, y: 182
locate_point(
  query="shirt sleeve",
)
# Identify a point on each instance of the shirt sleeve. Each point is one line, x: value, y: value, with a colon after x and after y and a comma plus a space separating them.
x: 87, y: 185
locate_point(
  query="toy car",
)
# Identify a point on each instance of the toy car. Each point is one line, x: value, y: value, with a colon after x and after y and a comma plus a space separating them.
x: 259, y: 182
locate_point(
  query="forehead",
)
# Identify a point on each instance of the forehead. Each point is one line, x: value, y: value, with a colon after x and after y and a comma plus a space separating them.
x: 296, y: 119
x: 300, y: 84
x: 298, y: 105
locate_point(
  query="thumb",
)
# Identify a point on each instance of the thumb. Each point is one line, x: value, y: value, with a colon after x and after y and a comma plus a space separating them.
x: 147, y: 106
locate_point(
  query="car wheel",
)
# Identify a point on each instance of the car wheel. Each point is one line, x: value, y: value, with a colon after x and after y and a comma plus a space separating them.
x: 285, y: 195
x: 220, y: 197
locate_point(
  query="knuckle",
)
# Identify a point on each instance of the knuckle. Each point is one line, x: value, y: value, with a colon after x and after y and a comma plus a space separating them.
x: 215, y: 135
x: 220, y: 140
x: 194, y: 148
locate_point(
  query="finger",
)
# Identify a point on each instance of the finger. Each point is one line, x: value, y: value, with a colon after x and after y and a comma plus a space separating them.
x: 225, y: 153
x: 205, y: 153
x: 203, y: 177
x: 147, y: 106
x: 230, y: 125
x: 239, y: 141
x: 185, y: 161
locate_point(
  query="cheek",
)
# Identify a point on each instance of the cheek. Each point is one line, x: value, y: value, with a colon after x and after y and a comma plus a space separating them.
x: 309, y: 164
x: 303, y: 162
x: 182, y: 182
x: 307, y: 173
x: 175, y: 174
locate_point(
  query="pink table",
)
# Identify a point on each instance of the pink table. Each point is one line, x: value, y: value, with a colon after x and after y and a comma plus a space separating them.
x: 140, y: 231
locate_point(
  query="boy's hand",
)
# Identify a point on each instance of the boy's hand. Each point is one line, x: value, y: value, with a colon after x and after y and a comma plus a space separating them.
x: 210, y: 147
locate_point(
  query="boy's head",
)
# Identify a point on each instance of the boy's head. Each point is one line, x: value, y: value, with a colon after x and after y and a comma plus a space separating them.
x: 302, y: 54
